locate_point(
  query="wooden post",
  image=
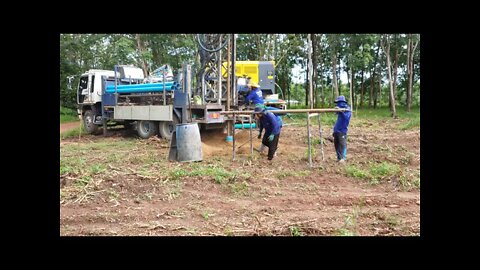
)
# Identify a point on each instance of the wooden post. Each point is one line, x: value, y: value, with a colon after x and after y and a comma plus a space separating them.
x: 309, y: 143
x: 81, y: 127
x: 251, y: 137
x: 164, y: 90
x: 104, y: 127
x: 230, y: 125
x: 219, y: 66
x: 233, y: 124
x: 321, y: 137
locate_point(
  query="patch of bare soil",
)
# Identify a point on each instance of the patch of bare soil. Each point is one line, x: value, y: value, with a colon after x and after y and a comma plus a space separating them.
x: 283, y: 197
x: 68, y: 126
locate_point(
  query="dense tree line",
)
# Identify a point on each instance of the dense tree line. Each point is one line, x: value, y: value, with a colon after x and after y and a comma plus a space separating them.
x: 382, y: 69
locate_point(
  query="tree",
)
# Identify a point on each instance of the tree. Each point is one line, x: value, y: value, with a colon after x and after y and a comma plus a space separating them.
x: 373, y: 72
x: 310, y: 70
x: 412, y: 45
x: 386, y: 49
x: 333, y: 42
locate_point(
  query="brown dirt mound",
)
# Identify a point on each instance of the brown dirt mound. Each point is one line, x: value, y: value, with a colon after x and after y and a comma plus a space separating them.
x: 214, y: 142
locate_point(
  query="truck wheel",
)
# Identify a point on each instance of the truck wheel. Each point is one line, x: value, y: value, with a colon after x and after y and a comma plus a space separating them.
x: 146, y: 129
x: 88, y: 124
x: 167, y: 128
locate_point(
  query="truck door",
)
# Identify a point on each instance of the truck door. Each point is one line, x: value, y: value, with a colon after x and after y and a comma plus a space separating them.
x: 85, y: 89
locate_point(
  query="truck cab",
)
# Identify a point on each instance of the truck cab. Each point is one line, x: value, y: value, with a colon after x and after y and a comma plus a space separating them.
x: 91, y: 88
x: 89, y: 97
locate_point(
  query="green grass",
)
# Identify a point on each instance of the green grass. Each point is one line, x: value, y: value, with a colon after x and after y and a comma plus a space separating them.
x: 104, y: 145
x: 295, y: 231
x: 72, y: 133
x: 361, y: 117
x: 301, y: 119
x: 205, y: 215
x: 68, y: 115
x: 374, y: 173
x: 410, y: 179
x: 214, y: 172
x: 72, y: 164
x: 239, y: 188
x: 412, y: 123
x: 349, y: 227
x: 384, y: 112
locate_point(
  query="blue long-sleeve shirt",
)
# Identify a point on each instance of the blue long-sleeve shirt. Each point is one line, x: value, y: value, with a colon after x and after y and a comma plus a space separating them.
x: 343, y: 119
x: 271, y: 123
x: 255, y: 96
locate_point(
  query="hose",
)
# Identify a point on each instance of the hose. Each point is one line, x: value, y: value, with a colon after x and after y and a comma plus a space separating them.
x: 201, y: 42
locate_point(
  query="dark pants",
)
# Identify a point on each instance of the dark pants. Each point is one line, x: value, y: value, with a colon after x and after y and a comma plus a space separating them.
x: 272, y: 146
x: 340, y: 141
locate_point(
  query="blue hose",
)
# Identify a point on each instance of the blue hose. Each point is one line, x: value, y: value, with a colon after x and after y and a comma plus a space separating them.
x: 242, y: 126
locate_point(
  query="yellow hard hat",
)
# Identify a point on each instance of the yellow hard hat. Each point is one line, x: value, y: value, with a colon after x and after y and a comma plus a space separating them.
x: 253, y: 84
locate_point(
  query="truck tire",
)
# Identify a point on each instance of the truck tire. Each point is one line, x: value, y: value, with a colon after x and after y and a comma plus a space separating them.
x: 167, y: 128
x: 88, y: 124
x: 146, y: 129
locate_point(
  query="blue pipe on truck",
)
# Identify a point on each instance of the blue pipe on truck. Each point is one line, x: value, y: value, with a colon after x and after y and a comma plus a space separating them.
x: 141, y: 85
x: 140, y: 88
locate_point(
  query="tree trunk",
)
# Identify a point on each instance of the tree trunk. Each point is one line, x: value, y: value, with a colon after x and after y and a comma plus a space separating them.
x: 315, y: 75
x: 372, y: 90
x: 310, y: 70
x: 395, y: 69
x: 410, y: 53
x: 350, y: 83
x: 362, y: 90
x: 386, y: 49
x: 259, y: 51
x: 372, y: 83
x: 378, y: 93
x: 334, y: 75
x: 140, y: 50
x: 322, y: 94
x: 289, y: 95
x: 306, y: 87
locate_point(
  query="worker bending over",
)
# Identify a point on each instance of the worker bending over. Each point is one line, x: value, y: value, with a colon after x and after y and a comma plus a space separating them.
x: 272, y: 127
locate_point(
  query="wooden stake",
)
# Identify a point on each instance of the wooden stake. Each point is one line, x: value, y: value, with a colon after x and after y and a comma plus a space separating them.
x: 321, y: 137
x: 309, y: 143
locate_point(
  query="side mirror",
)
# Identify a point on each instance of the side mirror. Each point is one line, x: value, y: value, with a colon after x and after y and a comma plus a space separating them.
x: 69, y: 84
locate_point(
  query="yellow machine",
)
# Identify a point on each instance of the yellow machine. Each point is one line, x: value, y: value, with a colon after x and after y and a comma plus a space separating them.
x: 262, y: 72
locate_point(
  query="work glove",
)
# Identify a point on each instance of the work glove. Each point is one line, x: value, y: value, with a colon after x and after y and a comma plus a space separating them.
x: 270, y: 138
x: 259, y: 135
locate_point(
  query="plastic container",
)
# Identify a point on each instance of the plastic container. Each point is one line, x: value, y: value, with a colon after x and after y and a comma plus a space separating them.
x: 188, y: 142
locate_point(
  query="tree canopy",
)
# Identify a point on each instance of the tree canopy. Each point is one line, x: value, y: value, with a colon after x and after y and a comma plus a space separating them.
x: 362, y: 56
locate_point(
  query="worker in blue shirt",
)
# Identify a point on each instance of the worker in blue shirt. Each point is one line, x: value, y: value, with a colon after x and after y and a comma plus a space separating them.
x: 341, y: 128
x: 272, y: 127
x: 255, y: 94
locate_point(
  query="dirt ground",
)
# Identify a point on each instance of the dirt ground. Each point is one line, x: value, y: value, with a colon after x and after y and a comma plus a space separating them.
x: 131, y: 189
x: 68, y: 126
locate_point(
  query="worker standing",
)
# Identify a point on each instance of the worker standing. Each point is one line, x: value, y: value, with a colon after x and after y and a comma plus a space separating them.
x: 341, y: 128
x: 272, y: 127
x: 255, y: 95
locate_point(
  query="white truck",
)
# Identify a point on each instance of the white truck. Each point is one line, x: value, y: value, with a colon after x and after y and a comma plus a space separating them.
x: 121, y: 96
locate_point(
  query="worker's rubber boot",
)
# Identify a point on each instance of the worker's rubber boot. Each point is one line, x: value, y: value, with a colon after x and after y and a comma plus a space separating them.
x: 262, y: 148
